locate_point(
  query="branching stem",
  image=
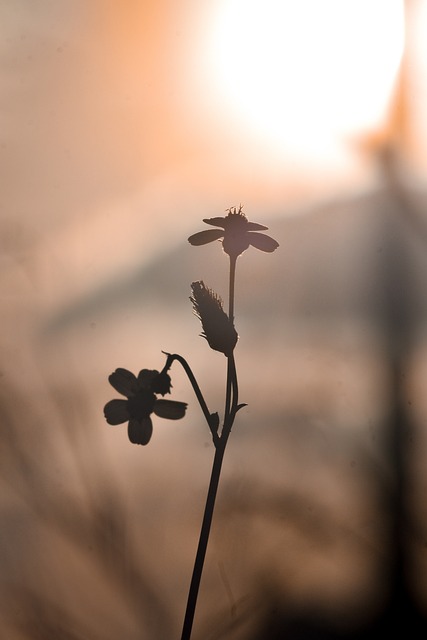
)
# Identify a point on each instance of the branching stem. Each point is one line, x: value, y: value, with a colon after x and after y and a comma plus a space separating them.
x: 220, y: 441
x: 204, y: 407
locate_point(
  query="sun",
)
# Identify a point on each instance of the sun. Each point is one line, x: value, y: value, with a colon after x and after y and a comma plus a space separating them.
x: 295, y: 72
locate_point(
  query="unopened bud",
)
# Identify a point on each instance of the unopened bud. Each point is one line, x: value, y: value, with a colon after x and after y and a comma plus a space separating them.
x: 218, y: 330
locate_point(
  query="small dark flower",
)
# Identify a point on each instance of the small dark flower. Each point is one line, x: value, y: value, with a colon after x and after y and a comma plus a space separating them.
x: 218, y: 330
x: 237, y: 234
x: 141, y: 402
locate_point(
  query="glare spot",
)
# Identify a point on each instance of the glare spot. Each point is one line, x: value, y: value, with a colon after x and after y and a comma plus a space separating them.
x: 299, y: 72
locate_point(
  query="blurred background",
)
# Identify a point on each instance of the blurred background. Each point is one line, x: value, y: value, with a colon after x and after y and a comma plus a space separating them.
x: 122, y: 126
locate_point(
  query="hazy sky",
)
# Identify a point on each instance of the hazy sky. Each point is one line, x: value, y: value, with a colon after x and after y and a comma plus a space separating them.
x: 122, y: 125
x: 103, y: 102
x: 125, y: 123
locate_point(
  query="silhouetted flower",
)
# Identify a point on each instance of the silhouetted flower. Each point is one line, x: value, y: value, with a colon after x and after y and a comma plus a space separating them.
x: 218, y: 330
x: 237, y: 234
x: 141, y: 402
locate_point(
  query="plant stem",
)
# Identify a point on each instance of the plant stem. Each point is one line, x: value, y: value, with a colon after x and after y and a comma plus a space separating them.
x: 231, y: 407
x: 203, y: 542
x: 231, y: 370
x: 174, y: 356
x: 233, y: 260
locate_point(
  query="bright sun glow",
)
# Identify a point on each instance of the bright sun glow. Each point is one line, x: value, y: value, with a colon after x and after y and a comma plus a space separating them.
x: 299, y: 71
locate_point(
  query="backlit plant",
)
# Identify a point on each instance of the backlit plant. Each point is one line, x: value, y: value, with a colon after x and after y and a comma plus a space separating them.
x: 236, y: 234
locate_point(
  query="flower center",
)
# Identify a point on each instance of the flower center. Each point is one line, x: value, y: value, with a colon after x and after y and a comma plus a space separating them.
x: 141, y: 405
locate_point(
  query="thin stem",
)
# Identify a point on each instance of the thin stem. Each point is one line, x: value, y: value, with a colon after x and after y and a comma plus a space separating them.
x: 174, y: 356
x: 230, y: 359
x: 231, y: 408
x: 203, y: 542
x: 233, y: 260
x: 207, y: 516
x: 228, y: 392
x: 234, y: 384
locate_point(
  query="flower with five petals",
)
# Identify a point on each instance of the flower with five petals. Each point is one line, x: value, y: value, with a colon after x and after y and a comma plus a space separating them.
x: 237, y: 234
x: 141, y: 393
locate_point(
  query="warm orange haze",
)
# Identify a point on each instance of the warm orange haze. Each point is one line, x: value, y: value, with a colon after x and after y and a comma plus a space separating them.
x: 123, y: 126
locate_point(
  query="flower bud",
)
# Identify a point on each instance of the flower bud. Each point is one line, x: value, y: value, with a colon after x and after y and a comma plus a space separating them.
x: 218, y: 330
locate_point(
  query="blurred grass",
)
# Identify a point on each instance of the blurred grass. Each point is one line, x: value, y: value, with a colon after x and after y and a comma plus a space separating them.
x: 99, y: 536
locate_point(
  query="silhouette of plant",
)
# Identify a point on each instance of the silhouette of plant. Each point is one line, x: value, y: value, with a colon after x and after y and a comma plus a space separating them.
x: 141, y: 402
x: 236, y: 233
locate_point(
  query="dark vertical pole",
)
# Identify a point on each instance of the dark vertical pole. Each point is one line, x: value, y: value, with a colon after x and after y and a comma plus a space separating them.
x: 399, y: 322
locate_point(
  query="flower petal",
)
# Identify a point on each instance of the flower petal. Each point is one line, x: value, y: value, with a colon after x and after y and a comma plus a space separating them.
x: 254, y: 226
x: 140, y: 431
x: 124, y: 382
x: 203, y: 237
x: 170, y: 409
x: 263, y: 242
x: 116, y: 411
x: 216, y: 222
